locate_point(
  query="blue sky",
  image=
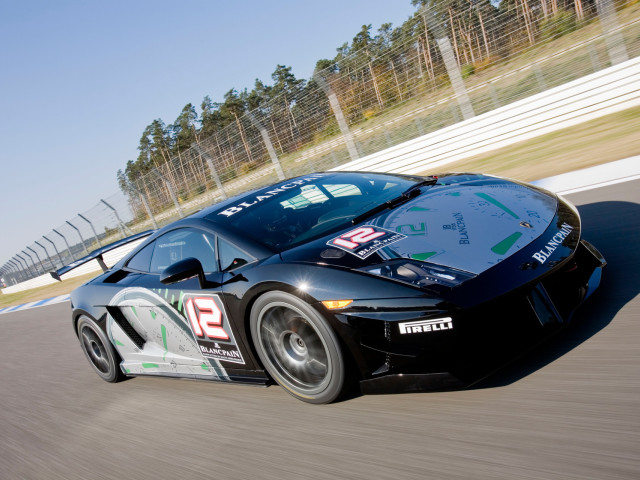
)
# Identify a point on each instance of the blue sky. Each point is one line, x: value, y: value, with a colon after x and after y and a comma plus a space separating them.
x: 80, y: 80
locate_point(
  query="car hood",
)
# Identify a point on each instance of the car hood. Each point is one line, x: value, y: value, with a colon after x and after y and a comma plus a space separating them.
x: 469, y: 225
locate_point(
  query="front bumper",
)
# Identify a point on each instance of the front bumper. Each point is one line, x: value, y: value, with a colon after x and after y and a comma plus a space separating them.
x: 418, y: 349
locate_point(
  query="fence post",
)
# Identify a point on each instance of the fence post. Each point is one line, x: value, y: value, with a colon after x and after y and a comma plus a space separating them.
x: 19, y: 268
x: 56, y: 249
x: 610, y: 28
x: 115, y: 212
x: 172, y: 192
x: 337, y: 111
x: 45, y: 251
x: 39, y: 261
x: 15, y: 276
x: 212, y: 168
x: 145, y: 202
x: 16, y: 272
x: 19, y: 271
x: 80, y: 235
x: 267, y: 141
x: 26, y: 264
x: 451, y: 64
x: 494, y: 95
x: 35, y: 269
x: 539, y: 77
x: 593, y: 57
x: 147, y: 207
x: 93, y: 229
x: 73, y: 258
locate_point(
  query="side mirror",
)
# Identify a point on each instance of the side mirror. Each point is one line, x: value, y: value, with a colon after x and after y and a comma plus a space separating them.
x: 183, y: 270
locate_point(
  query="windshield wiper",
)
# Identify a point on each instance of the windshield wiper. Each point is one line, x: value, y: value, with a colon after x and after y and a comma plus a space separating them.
x: 408, y: 194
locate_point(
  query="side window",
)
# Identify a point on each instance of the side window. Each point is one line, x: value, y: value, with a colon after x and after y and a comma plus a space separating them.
x: 231, y: 256
x: 181, y: 244
x: 142, y: 259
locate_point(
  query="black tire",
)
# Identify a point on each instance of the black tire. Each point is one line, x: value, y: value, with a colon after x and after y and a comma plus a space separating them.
x: 297, y: 347
x: 98, y: 350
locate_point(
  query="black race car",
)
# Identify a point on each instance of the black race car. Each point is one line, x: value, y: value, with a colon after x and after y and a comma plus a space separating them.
x: 402, y: 283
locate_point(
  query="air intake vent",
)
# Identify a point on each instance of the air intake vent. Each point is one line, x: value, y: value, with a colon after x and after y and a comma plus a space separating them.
x: 120, y: 319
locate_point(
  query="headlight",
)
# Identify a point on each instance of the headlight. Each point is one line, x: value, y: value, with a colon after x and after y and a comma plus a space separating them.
x: 419, y: 273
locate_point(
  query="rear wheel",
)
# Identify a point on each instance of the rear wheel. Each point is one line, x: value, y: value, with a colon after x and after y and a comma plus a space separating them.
x: 297, y: 347
x: 98, y: 350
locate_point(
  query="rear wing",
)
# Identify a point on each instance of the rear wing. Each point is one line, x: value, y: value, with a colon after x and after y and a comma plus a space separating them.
x: 98, y: 255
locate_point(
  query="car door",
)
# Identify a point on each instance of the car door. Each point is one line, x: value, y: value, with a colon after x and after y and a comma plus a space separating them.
x: 181, y: 329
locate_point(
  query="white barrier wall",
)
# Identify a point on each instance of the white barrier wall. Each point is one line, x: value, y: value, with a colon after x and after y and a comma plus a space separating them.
x: 614, y: 89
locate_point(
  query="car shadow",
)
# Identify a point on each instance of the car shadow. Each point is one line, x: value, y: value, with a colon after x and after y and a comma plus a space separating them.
x: 614, y: 229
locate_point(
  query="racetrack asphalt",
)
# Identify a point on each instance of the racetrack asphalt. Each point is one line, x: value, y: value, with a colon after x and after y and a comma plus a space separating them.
x: 569, y: 410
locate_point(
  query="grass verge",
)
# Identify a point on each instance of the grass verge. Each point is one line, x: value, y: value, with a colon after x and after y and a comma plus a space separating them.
x: 606, y: 139
x: 48, y: 291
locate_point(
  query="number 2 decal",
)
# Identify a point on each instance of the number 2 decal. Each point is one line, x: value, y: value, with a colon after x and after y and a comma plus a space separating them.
x: 357, y: 237
x: 205, y: 318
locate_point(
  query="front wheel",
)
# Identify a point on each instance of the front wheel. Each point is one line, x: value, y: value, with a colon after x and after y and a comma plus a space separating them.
x: 297, y: 347
x: 98, y: 350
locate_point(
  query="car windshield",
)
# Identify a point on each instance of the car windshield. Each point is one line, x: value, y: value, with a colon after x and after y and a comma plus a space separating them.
x: 310, y: 207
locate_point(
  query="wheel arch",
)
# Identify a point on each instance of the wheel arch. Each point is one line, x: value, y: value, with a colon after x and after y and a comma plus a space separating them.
x: 262, y: 289
x: 79, y: 312
x: 252, y: 296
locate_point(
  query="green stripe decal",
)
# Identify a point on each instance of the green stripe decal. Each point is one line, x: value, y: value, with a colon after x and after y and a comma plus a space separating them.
x: 418, y: 209
x: 502, y: 247
x: 180, y: 301
x: 150, y: 365
x: 492, y: 200
x: 204, y: 366
x: 163, y: 329
x: 173, y: 299
x: 118, y: 342
x: 166, y: 293
x: 422, y: 256
x: 133, y: 309
x: 153, y: 314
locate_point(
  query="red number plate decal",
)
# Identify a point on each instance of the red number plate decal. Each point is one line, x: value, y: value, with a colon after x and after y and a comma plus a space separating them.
x: 365, y: 240
x: 211, y: 328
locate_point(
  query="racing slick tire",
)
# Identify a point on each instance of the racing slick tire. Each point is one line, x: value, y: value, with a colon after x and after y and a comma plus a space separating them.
x: 297, y: 347
x: 98, y: 350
